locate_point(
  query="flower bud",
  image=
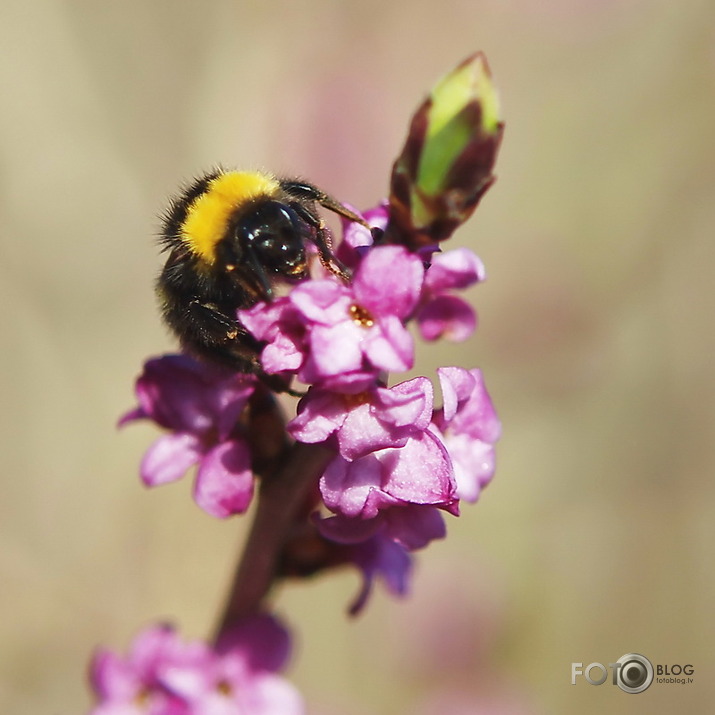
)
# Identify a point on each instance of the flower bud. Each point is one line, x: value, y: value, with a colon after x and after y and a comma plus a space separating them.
x: 446, y: 163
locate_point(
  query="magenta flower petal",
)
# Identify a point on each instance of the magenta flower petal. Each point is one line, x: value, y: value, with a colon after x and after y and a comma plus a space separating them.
x: 348, y: 383
x: 224, y: 483
x: 456, y: 269
x: 457, y: 385
x: 380, y: 557
x: 409, y: 403
x: 110, y: 676
x: 336, y: 349
x: 418, y: 473
x: 468, y: 426
x: 476, y: 415
x: 323, y: 301
x: 284, y: 353
x: 413, y: 527
x: 357, y: 236
x: 203, y: 408
x: 427, y: 457
x: 270, y: 695
x: 389, y: 281
x: 131, y: 685
x: 389, y: 346
x: 263, y: 320
x: 362, y: 432
x: 474, y: 464
x: 177, y: 393
x: 168, y: 458
x: 320, y: 414
x: 376, y: 419
x: 232, y: 401
x: 346, y: 486
x: 264, y: 640
x: 237, y: 677
x: 447, y: 316
x: 348, y: 530
x: 137, y: 413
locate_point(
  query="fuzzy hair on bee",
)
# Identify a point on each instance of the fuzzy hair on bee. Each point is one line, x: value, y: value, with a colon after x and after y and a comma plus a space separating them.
x: 231, y: 238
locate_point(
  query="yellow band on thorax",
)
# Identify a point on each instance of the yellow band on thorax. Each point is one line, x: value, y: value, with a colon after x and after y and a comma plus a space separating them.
x: 208, y: 216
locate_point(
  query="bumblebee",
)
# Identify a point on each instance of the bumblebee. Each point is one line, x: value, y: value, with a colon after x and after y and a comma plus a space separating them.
x: 232, y: 237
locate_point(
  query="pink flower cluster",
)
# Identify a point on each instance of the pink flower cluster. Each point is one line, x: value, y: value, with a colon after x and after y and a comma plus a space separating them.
x: 162, y: 675
x: 399, y: 461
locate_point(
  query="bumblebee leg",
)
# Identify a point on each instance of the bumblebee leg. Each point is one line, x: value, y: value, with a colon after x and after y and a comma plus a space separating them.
x: 210, y: 333
x: 322, y: 241
x: 230, y: 344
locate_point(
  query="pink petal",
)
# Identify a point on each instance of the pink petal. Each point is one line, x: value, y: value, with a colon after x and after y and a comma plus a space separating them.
x: 389, y: 346
x: 284, y: 353
x: 476, y: 416
x: 336, y: 349
x: 447, y: 316
x: 409, y: 403
x: 261, y: 640
x: 322, y: 301
x: 168, y: 458
x: 267, y: 694
x: 362, y: 432
x: 457, y: 385
x: 474, y: 464
x: 346, y: 486
x: 112, y: 677
x: 320, y: 414
x: 224, y: 483
x: 138, y: 413
x: 348, y: 530
x: 458, y: 268
x: 178, y: 392
x: 420, y: 472
x: 263, y: 319
x: 413, y: 527
x: 389, y: 281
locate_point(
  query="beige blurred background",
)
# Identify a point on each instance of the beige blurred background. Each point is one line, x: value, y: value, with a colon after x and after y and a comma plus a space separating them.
x: 596, y: 337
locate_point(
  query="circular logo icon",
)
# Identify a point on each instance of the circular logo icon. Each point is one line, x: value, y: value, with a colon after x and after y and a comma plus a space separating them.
x: 635, y: 674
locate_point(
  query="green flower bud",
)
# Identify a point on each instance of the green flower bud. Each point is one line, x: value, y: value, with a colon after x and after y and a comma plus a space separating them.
x: 446, y: 164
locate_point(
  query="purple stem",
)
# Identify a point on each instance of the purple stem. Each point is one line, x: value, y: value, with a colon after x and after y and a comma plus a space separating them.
x: 281, y: 496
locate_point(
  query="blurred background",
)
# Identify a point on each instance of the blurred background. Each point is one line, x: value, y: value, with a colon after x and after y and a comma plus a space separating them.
x: 596, y: 337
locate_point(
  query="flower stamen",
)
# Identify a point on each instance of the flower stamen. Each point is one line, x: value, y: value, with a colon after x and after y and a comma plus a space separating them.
x: 361, y: 316
x: 224, y: 688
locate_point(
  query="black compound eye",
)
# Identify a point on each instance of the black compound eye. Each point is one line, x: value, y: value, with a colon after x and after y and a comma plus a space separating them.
x: 275, y: 236
x: 277, y: 248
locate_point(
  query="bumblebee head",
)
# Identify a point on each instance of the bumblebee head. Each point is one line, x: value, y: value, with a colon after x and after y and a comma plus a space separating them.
x: 269, y: 238
x: 210, y: 212
x: 245, y: 224
x: 242, y: 230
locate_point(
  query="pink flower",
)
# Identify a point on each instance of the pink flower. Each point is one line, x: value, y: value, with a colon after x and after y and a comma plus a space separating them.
x: 163, y: 676
x: 125, y: 686
x: 344, y: 334
x: 201, y: 407
x: 365, y: 422
x: 442, y: 314
x: 469, y: 428
x: 418, y: 473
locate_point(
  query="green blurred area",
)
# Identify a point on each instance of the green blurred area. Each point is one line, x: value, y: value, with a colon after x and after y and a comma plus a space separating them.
x: 596, y: 337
